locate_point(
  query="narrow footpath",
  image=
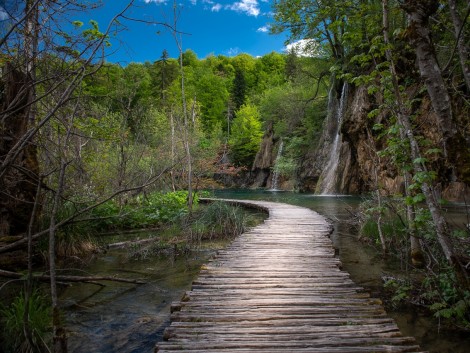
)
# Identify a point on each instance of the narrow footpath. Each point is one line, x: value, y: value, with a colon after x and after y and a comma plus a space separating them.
x: 279, y: 288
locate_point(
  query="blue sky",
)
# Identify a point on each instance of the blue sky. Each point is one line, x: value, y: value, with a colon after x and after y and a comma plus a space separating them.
x: 219, y: 27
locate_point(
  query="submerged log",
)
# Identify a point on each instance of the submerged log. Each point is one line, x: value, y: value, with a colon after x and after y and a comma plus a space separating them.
x: 62, y: 278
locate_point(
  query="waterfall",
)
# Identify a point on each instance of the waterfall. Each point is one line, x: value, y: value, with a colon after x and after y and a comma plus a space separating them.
x: 329, y: 177
x: 275, y: 180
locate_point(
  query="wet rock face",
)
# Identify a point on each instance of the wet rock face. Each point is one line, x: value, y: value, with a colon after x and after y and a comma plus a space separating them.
x: 261, y: 171
x: 360, y: 169
x: 316, y: 159
x: 264, y: 158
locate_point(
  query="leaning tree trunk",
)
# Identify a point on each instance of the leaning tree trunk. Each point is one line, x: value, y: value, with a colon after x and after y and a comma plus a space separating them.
x: 442, y: 229
x: 461, y: 38
x: 419, y: 12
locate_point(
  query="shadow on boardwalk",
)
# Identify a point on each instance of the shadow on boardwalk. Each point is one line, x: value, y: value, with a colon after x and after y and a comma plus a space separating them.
x: 279, y: 288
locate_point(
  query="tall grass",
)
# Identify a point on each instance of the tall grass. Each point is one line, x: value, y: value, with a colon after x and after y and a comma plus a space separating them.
x: 218, y: 220
x: 13, y: 325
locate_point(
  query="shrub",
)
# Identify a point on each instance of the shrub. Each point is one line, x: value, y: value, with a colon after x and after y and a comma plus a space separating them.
x: 142, y: 212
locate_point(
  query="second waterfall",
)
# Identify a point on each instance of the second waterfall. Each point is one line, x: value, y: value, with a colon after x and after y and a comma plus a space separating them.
x: 275, y: 180
x: 328, y: 183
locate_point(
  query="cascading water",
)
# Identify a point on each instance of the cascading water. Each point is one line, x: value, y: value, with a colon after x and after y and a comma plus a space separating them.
x: 275, y: 180
x: 328, y: 179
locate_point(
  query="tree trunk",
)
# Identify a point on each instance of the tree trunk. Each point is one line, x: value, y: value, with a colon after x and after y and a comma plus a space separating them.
x: 419, y: 34
x: 173, y: 153
x: 186, y: 133
x: 442, y: 231
x: 460, y: 37
x: 59, y: 339
x: 18, y: 182
x: 376, y: 161
x: 186, y: 129
x: 416, y: 251
x: 37, y: 346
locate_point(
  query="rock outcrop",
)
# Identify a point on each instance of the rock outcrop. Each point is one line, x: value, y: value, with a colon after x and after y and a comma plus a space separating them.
x: 264, y: 160
x: 361, y: 169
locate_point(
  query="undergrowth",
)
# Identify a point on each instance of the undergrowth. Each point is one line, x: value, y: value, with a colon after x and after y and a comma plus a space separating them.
x: 432, y: 286
x: 13, y: 329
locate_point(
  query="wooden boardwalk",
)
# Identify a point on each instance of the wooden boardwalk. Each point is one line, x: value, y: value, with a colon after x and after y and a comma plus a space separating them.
x: 279, y: 288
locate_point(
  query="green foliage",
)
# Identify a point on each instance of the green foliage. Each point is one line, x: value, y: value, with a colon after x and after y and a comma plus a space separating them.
x: 287, y: 163
x: 438, y: 292
x: 132, y: 107
x: 392, y: 225
x: 401, y: 291
x: 444, y: 298
x: 246, y: 65
x: 93, y: 33
x: 270, y: 71
x: 190, y: 58
x: 285, y: 166
x: 12, y: 320
x: 246, y: 134
x: 239, y: 89
x: 212, y: 95
x: 283, y: 106
x: 218, y: 220
x: 142, y: 212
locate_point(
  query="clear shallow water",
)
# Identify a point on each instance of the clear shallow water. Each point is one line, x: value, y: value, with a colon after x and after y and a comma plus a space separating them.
x: 128, y: 318
x: 125, y: 317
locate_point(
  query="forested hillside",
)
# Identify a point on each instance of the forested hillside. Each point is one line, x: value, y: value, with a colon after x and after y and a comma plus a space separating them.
x: 130, y: 129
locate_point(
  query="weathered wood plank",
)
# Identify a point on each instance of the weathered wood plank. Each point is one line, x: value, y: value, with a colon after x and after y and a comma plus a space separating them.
x: 279, y: 288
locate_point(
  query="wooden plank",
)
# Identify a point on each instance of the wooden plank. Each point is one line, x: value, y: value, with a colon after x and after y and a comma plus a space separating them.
x: 279, y: 288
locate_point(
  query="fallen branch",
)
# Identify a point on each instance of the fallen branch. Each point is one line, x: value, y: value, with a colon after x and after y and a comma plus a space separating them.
x: 124, y: 244
x: 91, y: 279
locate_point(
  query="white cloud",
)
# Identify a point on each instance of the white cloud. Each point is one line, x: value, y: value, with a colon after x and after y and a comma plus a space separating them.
x: 216, y: 8
x: 155, y: 1
x: 250, y: 7
x: 3, y: 14
x: 264, y: 29
x: 193, y: 2
x: 304, y: 47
